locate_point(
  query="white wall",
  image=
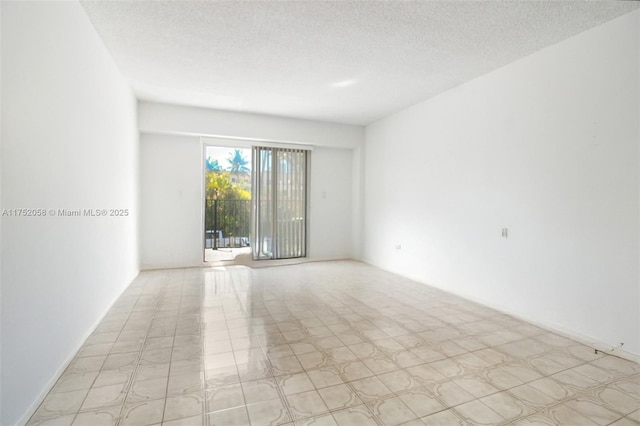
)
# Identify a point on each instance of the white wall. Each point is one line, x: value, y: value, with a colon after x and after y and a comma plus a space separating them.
x: 357, y: 191
x: 172, y: 167
x: 69, y: 141
x: 547, y: 146
x: 185, y: 120
x: 330, y: 204
x: 171, y: 201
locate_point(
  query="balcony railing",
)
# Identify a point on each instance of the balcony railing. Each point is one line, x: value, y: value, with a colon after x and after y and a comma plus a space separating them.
x: 227, y: 223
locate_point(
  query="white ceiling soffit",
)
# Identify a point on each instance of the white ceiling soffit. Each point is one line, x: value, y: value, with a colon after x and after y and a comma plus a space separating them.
x: 338, y: 61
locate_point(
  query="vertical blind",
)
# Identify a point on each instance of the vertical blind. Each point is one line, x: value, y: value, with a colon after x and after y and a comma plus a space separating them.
x: 279, y: 197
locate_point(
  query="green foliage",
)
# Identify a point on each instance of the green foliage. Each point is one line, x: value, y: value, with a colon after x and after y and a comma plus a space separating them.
x: 228, y: 205
x: 220, y: 187
x: 228, y: 208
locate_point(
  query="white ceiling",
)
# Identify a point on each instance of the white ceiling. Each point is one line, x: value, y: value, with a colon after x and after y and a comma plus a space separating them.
x: 340, y: 61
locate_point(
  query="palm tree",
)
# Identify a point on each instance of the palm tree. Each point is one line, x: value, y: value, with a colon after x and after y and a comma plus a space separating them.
x: 238, y: 164
x: 213, y: 165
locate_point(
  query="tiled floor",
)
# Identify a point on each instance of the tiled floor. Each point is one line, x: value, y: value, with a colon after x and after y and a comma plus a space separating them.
x: 325, y: 344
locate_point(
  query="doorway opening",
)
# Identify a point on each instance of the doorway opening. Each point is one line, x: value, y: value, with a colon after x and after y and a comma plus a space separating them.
x: 256, y: 203
x: 227, y: 215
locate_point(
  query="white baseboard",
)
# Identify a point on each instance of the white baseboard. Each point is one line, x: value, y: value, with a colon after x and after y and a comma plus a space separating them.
x: 604, y: 347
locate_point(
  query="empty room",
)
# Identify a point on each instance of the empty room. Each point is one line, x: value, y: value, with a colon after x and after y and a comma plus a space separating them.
x: 341, y: 213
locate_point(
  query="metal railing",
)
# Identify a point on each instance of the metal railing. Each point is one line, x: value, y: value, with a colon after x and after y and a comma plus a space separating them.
x: 227, y: 223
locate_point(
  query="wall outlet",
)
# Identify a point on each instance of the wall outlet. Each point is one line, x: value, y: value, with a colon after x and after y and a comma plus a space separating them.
x: 398, y: 246
x: 505, y: 232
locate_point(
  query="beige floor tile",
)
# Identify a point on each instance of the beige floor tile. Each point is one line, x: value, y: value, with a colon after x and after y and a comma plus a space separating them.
x: 339, y: 397
x: 391, y: 411
x: 118, y: 361
x: 105, y: 396
x: 268, y: 413
x: 616, y: 401
x: 380, y: 364
x: 355, y: 370
x: 324, y: 377
x: 422, y: 402
x: 475, y: 386
x: 618, y: 365
x: 444, y: 418
x: 86, y: 364
x: 294, y: 383
x: 406, y: 359
x: 448, y: 368
x: 327, y: 336
x: 159, y: 342
x: 185, y: 383
x: 594, y: 372
x: 626, y: 421
x: 254, y: 371
x: 95, y: 349
x: 322, y: 420
x: 301, y: 348
x: 260, y: 390
x: 399, y: 381
x: 221, y: 377
x: 73, y: 382
x: 314, y: 360
x: 144, y: 390
x: 104, y: 416
x: 340, y: 355
x: 213, y: 361
x: 575, y: 381
x: 364, y: 349
x: 142, y: 413
x: 591, y: 410
x: 629, y: 386
x: 125, y: 346
x: 198, y: 420
x: 64, y: 420
x: 235, y: 416
x: 562, y: 414
x: 451, y: 393
x: 477, y: 413
x: 370, y: 389
x: 358, y: 415
x: 152, y: 371
x: 286, y: 365
x: 224, y: 397
x: 306, y: 404
x: 178, y: 407
x: 507, y: 406
x: 635, y: 415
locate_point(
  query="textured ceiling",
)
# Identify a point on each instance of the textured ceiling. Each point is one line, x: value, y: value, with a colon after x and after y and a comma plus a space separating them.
x: 340, y: 61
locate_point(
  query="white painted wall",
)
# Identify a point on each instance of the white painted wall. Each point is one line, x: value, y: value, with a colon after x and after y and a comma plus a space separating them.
x: 69, y: 140
x: 185, y: 120
x: 172, y: 202
x: 0, y: 220
x: 330, y: 204
x: 171, y: 182
x: 357, y: 191
x: 547, y: 146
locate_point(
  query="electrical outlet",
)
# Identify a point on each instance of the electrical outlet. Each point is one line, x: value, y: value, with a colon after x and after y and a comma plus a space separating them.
x: 505, y: 232
x: 398, y: 246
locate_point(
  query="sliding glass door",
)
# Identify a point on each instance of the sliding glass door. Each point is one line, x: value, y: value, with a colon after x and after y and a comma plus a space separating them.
x: 279, y: 203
